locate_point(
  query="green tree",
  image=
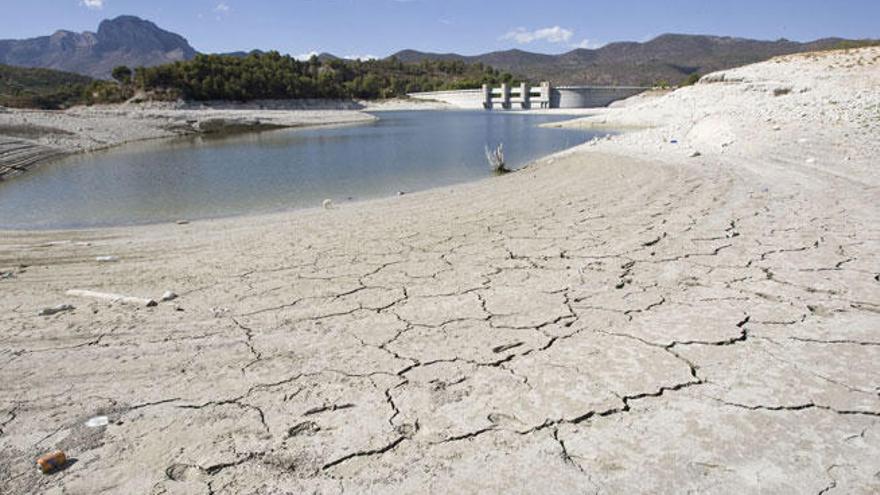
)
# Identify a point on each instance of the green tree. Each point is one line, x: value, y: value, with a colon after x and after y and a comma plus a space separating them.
x: 691, y: 80
x: 122, y: 74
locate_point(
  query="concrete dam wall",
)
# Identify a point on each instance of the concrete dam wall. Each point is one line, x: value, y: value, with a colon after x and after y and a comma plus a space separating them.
x: 590, y: 96
x: 560, y: 97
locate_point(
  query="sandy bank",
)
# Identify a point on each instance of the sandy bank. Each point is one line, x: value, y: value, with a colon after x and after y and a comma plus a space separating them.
x: 621, y: 317
x: 28, y: 137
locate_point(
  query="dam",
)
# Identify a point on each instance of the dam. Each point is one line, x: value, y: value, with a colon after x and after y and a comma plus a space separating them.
x: 526, y: 97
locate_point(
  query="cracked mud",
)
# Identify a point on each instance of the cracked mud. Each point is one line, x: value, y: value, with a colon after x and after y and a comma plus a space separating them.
x: 642, y: 326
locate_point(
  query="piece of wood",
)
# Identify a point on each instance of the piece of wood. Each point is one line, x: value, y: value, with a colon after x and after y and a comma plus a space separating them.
x: 139, y: 301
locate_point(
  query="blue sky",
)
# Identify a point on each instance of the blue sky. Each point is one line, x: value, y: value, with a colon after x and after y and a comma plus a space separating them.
x: 381, y: 27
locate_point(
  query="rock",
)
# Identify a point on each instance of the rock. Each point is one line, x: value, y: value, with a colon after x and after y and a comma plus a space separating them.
x: 61, y: 308
x: 52, y: 462
x: 168, y: 296
x: 695, y: 154
x: 182, y: 222
x: 220, y: 124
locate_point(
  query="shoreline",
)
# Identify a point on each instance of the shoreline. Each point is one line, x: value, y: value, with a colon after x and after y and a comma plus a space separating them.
x: 31, y: 137
x: 658, y: 309
x: 338, y: 205
x: 102, y: 127
x: 366, y: 202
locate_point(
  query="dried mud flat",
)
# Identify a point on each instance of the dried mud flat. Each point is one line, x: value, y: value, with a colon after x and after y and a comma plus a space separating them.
x: 619, y: 318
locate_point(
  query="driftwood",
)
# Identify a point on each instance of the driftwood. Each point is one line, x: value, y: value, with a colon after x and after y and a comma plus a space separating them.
x: 55, y: 310
x: 112, y: 297
x: 496, y: 159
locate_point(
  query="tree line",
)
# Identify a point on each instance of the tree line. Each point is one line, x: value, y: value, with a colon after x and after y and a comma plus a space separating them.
x: 275, y: 76
x: 256, y: 76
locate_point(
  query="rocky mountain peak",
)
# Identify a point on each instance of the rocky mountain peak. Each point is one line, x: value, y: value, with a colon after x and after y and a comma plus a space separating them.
x: 125, y: 40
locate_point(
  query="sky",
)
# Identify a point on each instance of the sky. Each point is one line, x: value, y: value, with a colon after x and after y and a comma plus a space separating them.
x: 378, y: 28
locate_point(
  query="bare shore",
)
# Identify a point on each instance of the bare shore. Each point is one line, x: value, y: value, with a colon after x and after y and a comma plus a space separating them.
x: 693, y: 307
x: 30, y: 137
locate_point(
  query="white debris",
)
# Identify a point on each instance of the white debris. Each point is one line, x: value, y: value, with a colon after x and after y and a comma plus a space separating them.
x: 116, y: 298
x: 98, y: 422
x: 107, y: 259
x: 168, y: 296
x: 328, y: 204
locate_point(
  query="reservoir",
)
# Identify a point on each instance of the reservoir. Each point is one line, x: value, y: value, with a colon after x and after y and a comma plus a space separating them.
x: 206, y: 177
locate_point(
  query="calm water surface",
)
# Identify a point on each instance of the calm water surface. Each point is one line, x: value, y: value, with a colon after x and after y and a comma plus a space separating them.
x: 202, y: 177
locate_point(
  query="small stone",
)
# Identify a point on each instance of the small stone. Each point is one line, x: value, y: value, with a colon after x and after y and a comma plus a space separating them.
x: 183, y: 222
x: 695, y: 154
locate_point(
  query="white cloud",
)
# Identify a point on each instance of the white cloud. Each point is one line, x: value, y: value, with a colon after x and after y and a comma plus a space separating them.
x: 555, y: 34
x: 92, y: 4
x: 588, y: 44
x: 306, y: 56
x: 222, y: 8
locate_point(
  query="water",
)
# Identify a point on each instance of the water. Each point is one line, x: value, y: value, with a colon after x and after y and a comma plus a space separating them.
x: 193, y: 178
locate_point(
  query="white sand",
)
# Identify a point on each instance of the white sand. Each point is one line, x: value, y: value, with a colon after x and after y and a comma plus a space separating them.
x: 619, y: 318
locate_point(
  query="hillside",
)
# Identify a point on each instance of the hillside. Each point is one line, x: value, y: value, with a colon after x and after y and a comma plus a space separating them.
x: 45, y: 88
x: 125, y: 40
x: 670, y: 58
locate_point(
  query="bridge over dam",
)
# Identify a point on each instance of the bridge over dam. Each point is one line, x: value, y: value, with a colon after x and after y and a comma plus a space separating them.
x: 525, y: 97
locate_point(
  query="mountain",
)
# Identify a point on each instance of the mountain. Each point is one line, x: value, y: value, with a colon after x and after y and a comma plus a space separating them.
x: 125, y: 40
x: 669, y: 57
x: 135, y: 42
